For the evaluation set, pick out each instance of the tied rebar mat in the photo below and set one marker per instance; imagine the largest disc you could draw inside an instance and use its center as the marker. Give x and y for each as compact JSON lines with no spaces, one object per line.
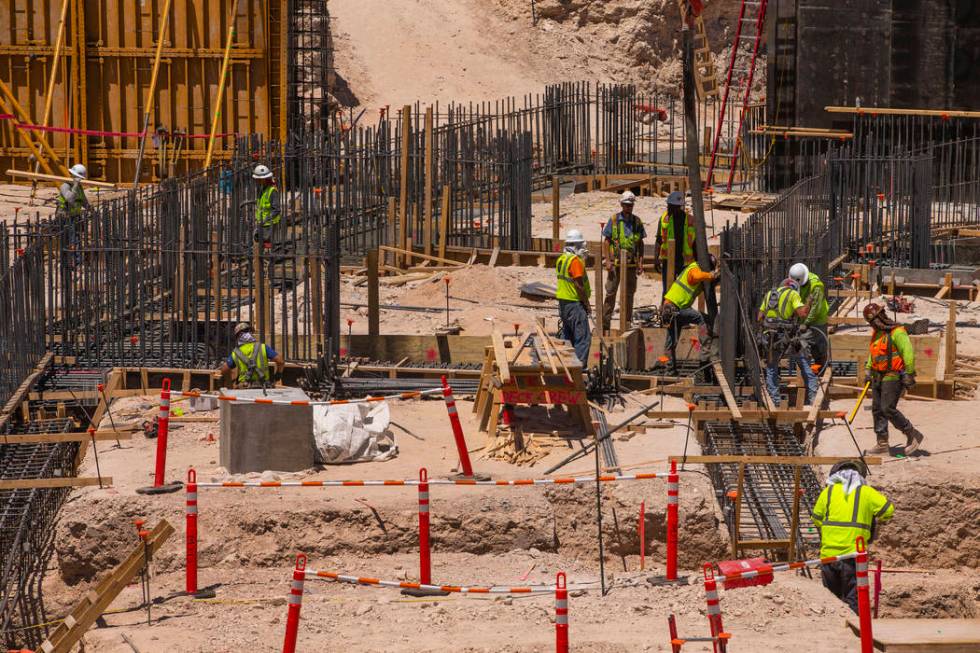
{"x":767,"y":493}
{"x":27,"y":518}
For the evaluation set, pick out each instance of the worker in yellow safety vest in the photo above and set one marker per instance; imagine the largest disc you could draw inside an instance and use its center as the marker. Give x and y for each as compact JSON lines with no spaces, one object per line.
{"x":847,"y":508}
{"x":891,"y":363}
{"x":268,"y":206}
{"x":675,"y":226}
{"x":677,"y":312}
{"x":623,"y":232}
{"x":72,"y":203}
{"x":249,"y":362}
{"x":781,"y":316}
{"x":573,"y":292}
{"x":813,"y":293}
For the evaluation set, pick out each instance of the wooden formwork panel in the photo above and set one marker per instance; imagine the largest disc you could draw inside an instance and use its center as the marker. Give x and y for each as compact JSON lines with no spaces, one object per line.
{"x":117,"y":42}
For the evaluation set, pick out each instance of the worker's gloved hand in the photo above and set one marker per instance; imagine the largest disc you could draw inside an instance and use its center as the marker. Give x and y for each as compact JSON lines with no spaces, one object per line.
{"x":908,"y":380}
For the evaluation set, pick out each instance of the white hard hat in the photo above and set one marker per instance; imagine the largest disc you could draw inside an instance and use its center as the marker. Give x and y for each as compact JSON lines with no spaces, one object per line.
{"x":799,"y":273}
{"x":78,"y":171}
{"x":627,"y":198}
{"x":574,"y":236}
{"x":261,"y":172}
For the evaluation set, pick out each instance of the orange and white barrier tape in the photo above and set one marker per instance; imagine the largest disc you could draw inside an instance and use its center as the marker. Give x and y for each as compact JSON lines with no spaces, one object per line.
{"x":570,"y":480}
{"x":458,"y":589}
{"x":414,"y":394}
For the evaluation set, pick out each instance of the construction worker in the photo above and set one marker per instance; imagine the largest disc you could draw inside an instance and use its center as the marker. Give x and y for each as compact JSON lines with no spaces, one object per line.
{"x":814,"y":297}
{"x":847,"y":508}
{"x":573,"y":295}
{"x":677,"y":311}
{"x":72,"y":202}
{"x":623,"y":232}
{"x":268,"y":207}
{"x":891,"y":363}
{"x":676,"y":227}
{"x":249,"y":361}
{"x":781,"y":316}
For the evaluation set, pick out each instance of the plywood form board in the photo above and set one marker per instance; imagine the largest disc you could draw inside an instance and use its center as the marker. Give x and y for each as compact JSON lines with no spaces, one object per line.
{"x":108,"y":93}
{"x":924,"y":635}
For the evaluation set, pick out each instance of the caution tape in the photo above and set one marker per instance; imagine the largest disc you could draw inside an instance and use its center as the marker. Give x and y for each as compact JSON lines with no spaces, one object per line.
{"x":455,"y":589}
{"x":612,"y":478}
{"x":784,"y":566}
{"x":415,"y":394}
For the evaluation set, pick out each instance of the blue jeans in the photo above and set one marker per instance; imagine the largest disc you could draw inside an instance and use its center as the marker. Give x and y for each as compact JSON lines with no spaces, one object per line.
{"x":575,"y":328}
{"x":801,"y":361}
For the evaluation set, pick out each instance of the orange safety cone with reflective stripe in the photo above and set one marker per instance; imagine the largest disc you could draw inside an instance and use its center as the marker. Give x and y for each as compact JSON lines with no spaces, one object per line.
{"x":561,"y":614}
{"x":295,"y":602}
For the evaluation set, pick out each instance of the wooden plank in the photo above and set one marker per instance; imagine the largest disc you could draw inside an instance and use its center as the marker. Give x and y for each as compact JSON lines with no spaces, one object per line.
{"x":493,"y":257}
{"x":726,"y":390}
{"x":500,"y":354}
{"x":888,"y":111}
{"x":411,"y":254}
{"x":770,"y":460}
{"x":950,"y":353}
{"x":923,"y":635}
{"x":100,"y":436}
{"x":65,"y":481}
{"x":21,"y":392}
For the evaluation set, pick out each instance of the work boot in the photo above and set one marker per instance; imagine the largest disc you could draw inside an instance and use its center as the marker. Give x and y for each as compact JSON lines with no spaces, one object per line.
{"x":880,"y":448}
{"x":913,"y":441}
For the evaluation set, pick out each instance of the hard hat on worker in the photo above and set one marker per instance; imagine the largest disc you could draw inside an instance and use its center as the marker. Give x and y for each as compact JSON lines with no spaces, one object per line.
{"x":857,"y":465}
{"x":627,"y":198}
{"x":675,"y":199}
{"x":872,"y":311}
{"x":261,"y":172}
{"x":799,"y":273}
{"x":241,"y":328}
{"x":78,"y":171}
{"x":574,"y":237}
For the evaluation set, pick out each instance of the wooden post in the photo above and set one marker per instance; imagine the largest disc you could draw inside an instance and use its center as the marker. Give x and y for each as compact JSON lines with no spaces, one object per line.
{"x":221,"y":83}
{"x":555,"y":209}
{"x":599,"y":296}
{"x":403,"y":183}
{"x":671,"y":269}
{"x":624,"y":316}
{"x":374,"y":318}
{"x":444,"y":221}
{"x":951,"y":339}
{"x":427,"y":178}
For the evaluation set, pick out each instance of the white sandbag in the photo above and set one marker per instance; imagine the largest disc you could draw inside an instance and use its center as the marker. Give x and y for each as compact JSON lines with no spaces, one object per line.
{"x":353,"y":433}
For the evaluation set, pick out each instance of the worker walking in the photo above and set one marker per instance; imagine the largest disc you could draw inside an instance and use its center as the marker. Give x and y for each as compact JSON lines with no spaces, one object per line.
{"x":268,"y":207}
{"x":677,"y":311}
{"x":676,"y":227}
{"x":249,"y":362}
{"x":891,"y":363}
{"x":847,"y":508}
{"x":623,"y":232}
{"x":781,"y":317}
{"x":813,"y":293}
{"x":573,"y":295}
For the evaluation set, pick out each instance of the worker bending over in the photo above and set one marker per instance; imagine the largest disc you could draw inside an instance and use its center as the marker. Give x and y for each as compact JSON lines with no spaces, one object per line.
{"x":623,"y":232}
{"x":891,"y":363}
{"x":781,"y":317}
{"x":268,"y":207}
{"x":676,"y":227}
{"x":677,"y":312}
{"x":847,"y":508}
{"x":573,"y":295}
{"x":249,"y":361}
{"x":814,"y":296}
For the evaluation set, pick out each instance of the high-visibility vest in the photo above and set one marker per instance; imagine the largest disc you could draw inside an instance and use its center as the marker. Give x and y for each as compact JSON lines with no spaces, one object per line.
{"x":885,"y":357}
{"x":777,"y":305}
{"x":818,"y":312}
{"x":252,"y":362}
{"x":667,"y":235}
{"x":566,"y":285}
{"x":263,"y":208}
{"x":619,"y":240}
{"x":682,"y":295}
{"x":73,"y":206}
{"x":841,"y":518}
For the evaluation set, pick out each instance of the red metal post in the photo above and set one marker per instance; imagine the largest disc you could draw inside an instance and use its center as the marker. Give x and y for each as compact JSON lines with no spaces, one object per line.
{"x":641,"y":528}
{"x":164,"y":425}
{"x":864,"y":601}
{"x":561,"y":614}
{"x":714,"y":609}
{"x":295,"y":602}
{"x":673,"y":482}
{"x":425,"y":562}
{"x":464,"y":455}
{"x":191,"y":532}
